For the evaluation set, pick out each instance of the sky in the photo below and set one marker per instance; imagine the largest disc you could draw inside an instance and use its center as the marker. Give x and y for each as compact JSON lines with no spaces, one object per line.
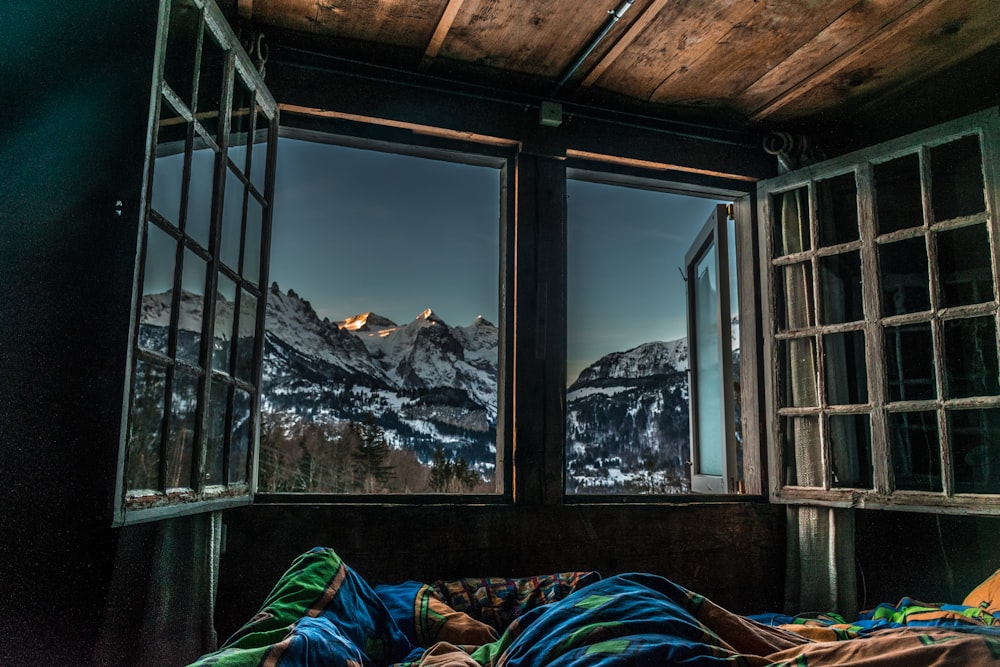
{"x":357,"y":230}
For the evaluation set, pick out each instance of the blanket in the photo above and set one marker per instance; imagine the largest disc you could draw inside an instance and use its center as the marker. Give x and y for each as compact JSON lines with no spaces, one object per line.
{"x":321,"y":612}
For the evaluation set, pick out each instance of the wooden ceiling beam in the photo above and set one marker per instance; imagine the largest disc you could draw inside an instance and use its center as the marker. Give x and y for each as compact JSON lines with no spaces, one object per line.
{"x":441,"y":31}
{"x":645,"y":18}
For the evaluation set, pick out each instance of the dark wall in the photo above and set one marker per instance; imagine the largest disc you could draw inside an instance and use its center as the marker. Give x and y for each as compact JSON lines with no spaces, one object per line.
{"x":76,"y":81}
{"x":732,"y":552}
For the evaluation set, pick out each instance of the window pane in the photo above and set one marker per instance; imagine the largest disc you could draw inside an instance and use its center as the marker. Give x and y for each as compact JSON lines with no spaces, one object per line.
{"x":909,"y":360}
{"x":213,"y":66}
{"x":898,"y":202}
{"x":903,"y":266}
{"x":797,"y":373}
{"x":240,"y":447}
{"x":239,"y":122}
{"x":851,"y":451}
{"x":180,"y":433}
{"x":357,"y":264}
{"x":975,"y":444}
{"x":145,"y":428}
{"x":803,"y":453}
{"x":970,"y":349}
{"x":838,"y":210}
{"x":258,"y":160}
{"x":628,"y":428}
{"x":966,"y":273}
{"x":840,"y":288}
{"x":957,"y":179}
{"x":794,"y":296}
{"x":215,"y":436}
{"x":846,"y":372}
{"x":791,"y":223}
{"x":157,"y":289}
{"x":915,"y":451}
{"x":192,"y":313}
{"x":232,"y":221}
{"x":168,"y":168}
{"x":247,"y":336}
{"x":199,"y":208}
{"x":182,"y":47}
{"x":222,"y":340}
{"x":708,"y":372}
{"x":252,"y":240}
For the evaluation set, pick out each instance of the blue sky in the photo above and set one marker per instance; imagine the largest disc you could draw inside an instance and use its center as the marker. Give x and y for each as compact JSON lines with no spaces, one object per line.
{"x":358,"y":231}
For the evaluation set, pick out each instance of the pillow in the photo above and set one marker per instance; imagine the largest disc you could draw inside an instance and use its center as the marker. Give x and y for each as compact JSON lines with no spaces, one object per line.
{"x":986,"y":595}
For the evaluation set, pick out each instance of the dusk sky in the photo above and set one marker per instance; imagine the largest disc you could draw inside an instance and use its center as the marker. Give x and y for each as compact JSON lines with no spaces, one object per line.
{"x":357,"y":230}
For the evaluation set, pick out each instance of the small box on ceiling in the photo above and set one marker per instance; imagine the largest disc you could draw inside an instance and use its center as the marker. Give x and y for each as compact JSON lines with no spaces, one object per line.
{"x":550,"y":114}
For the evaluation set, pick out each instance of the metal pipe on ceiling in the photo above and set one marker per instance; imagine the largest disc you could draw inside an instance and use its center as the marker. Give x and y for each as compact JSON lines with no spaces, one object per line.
{"x":613,"y":17}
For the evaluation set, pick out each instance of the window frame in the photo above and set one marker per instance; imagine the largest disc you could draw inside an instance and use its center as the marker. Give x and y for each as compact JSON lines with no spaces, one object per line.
{"x":882,"y":495}
{"x":331,"y":128}
{"x":202,"y":494}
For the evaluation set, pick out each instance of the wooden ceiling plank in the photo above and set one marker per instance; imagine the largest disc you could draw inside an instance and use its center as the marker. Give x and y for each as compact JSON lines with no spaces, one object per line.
{"x":858,"y":24}
{"x":441,"y":31}
{"x":872,"y":54}
{"x":634,"y":30}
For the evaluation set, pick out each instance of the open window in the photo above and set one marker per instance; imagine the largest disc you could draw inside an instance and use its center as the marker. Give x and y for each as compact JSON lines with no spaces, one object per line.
{"x":189,"y":443}
{"x":883,"y":387}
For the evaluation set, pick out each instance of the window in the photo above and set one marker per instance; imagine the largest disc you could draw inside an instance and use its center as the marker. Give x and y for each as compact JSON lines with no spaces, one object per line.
{"x":885,"y":389}
{"x":628,"y":427}
{"x":199,"y":307}
{"x":381,"y":354}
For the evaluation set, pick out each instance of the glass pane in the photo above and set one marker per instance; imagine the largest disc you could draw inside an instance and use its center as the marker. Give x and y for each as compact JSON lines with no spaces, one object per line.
{"x":803,"y":453}
{"x":199,"y":209}
{"x":970,"y":351}
{"x":239,"y":448}
{"x":222,"y":340}
{"x":898,"y":202}
{"x":975,"y":446}
{"x":965,"y":270}
{"x":252,"y":240}
{"x":157,"y":289}
{"x":258,"y":160}
{"x":232,"y":221}
{"x":903,"y":267}
{"x":245,"y":343}
{"x":793,"y":296}
{"x":239,"y":122}
{"x":915,"y":451}
{"x":213,"y":67}
{"x":791,"y":223}
{"x":840,"y":288}
{"x":168,"y":167}
{"x":845,"y":369}
{"x":957,"y":179}
{"x":851,"y":451}
{"x":180,"y":431}
{"x":182,"y":47}
{"x":215,"y":437}
{"x":838,"y":210}
{"x":142,"y":462}
{"x":708,"y":373}
{"x":909,"y":361}
{"x":192,"y":313}
{"x":797,"y":373}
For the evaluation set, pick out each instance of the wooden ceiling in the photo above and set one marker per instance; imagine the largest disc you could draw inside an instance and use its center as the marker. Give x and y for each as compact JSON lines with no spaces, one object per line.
{"x":742,"y":63}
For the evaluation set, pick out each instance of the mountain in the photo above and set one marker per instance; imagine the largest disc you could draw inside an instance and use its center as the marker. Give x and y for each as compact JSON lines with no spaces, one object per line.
{"x":429,"y":384}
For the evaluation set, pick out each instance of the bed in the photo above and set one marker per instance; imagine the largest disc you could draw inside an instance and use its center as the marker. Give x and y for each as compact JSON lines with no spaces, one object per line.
{"x":321,"y":612}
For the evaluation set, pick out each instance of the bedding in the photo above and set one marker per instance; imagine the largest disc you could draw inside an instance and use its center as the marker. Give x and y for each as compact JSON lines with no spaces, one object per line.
{"x":321,"y":612}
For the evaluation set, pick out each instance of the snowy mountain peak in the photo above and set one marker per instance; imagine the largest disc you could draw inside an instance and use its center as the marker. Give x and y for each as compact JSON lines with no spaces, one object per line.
{"x":428,"y":316}
{"x":365,"y":322}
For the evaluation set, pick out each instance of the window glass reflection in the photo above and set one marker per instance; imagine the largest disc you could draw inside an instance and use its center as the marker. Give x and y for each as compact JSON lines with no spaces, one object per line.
{"x":957,"y":179}
{"x":793,"y":296}
{"x":222,"y":343}
{"x":845,"y":369}
{"x":970,"y":348}
{"x":142,"y":462}
{"x":791,"y":224}
{"x":180,"y":431}
{"x":215,"y":434}
{"x":192,"y":305}
{"x":199,"y":206}
{"x":182,"y":47}
{"x":975,"y":443}
{"x":840,"y":288}
{"x":898,"y":201}
{"x":965,"y":269}
{"x":797,"y":373}
{"x":904,"y":278}
{"x":803,"y":461}
{"x":838,"y":210}
{"x":909,"y":361}
{"x":232,"y":221}
{"x":239,"y":122}
{"x":213,"y":68}
{"x":252,"y":241}
{"x":157,"y":289}
{"x":258,"y":158}
{"x":851,"y":451}
{"x":915,"y":451}
{"x":239,"y":448}
{"x":247,"y":336}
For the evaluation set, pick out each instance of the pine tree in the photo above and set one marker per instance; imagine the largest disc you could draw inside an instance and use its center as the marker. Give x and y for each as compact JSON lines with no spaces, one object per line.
{"x":441,"y":472}
{"x":371,"y":473}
